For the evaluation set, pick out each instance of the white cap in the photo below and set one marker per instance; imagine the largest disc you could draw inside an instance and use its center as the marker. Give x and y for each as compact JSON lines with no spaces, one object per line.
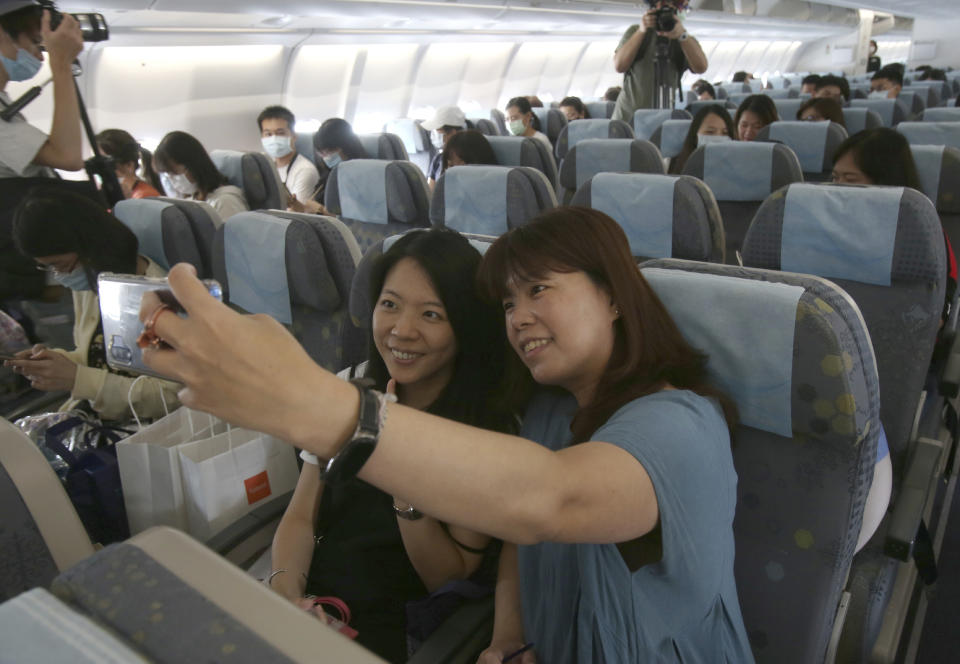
{"x":446,"y":116}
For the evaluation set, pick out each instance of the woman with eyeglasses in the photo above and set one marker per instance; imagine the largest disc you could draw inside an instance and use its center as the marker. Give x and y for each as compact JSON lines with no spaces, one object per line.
{"x":73,"y":239}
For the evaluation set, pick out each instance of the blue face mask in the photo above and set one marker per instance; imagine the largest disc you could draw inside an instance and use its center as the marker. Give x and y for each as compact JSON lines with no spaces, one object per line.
{"x":332,"y":160}
{"x":75,"y":280}
{"x":23,"y":68}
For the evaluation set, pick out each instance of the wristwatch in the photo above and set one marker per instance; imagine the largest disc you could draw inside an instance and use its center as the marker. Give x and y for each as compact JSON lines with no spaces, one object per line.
{"x":684,"y":36}
{"x":410,"y":513}
{"x":346,"y":463}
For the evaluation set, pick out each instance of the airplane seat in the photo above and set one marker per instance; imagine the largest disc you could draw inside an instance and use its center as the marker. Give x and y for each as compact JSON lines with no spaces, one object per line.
{"x":524,"y":151}
{"x":648,"y":120}
{"x":377,"y":198}
{"x":171,"y":231}
{"x":814,"y":143}
{"x":929,"y":91}
{"x":486,"y":127}
{"x":787,"y":108}
{"x":40,"y":531}
{"x":778,"y":82}
{"x":735,"y":98}
{"x":721,"y":93}
{"x":499,"y":119}
{"x":296,"y":269}
{"x":859,"y":91}
{"x":741,"y":175}
{"x":938,"y":168}
{"x":669,"y":137}
{"x":664,"y":216}
{"x":931,"y":133}
{"x":942,"y":114}
{"x":255,"y":174}
{"x":600,"y":110}
{"x":173,"y":600}
{"x":857,"y":119}
{"x":891,"y":111}
{"x":913,"y":102}
{"x":695,"y":107}
{"x":579,"y":130}
{"x":303,"y":143}
{"x":384,"y":146}
{"x":884,"y":246}
{"x":606,"y":155}
{"x":782,"y":93}
{"x":805,"y":444}
{"x":490,"y":200}
{"x":552,"y":121}
{"x":416,"y":141}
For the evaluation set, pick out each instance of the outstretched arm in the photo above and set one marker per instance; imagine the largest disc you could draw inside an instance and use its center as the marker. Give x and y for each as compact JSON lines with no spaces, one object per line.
{"x":63,"y":148}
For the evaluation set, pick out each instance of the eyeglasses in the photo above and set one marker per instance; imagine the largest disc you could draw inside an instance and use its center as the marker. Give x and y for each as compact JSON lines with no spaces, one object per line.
{"x":55,"y":269}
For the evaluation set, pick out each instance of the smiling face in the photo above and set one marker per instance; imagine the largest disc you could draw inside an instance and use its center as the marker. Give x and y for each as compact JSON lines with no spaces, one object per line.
{"x":561,"y":326}
{"x":749,"y":126}
{"x":413,"y":334}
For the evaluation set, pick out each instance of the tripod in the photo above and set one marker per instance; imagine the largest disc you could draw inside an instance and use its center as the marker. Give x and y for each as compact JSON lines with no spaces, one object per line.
{"x":664,"y":88}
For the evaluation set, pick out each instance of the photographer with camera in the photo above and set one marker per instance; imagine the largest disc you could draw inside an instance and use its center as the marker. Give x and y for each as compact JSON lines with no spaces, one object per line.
{"x":664,"y":42}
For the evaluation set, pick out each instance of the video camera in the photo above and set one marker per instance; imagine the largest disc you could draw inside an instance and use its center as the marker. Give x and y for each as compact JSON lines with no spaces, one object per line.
{"x":93,"y":27}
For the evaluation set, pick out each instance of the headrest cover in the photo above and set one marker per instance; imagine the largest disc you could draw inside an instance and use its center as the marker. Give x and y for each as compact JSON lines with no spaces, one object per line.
{"x":254,"y":247}
{"x":672,"y":135}
{"x":646,"y":121}
{"x":144,"y":217}
{"x":230,"y":163}
{"x":787,"y":108}
{"x":475,"y":199}
{"x":840,"y":232}
{"x":752,"y":363}
{"x":362,"y":185}
{"x":931,"y":133}
{"x":807,"y":139}
{"x":738,"y":171}
{"x":507,"y":149}
{"x":580,"y":130}
{"x":643,"y":206}
{"x":929,"y":160}
{"x":882,"y":107}
{"x":942,"y":114}
{"x":602,"y":155}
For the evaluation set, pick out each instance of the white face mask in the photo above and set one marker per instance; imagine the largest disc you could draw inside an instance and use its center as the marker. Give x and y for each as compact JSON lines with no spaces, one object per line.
{"x":703,"y":139}
{"x":277,"y":147}
{"x":436,"y":139}
{"x":182,"y":185}
{"x":877,"y":94}
{"x":517,"y":127}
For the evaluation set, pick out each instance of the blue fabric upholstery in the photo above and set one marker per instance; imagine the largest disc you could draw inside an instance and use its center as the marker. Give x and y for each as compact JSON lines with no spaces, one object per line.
{"x":942,"y":114}
{"x":931,"y":133}
{"x":230,"y":164}
{"x":763,"y":395}
{"x":475,"y":200}
{"x":807,"y":139}
{"x":610,"y":155}
{"x":507,"y":149}
{"x":647,"y":120}
{"x":580,"y":130}
{"x":738,"y":171}
{"x":644,"y":212}
{"x":889,"y":110}
{"x":787,"y":108}
{"x":144,"y":218}
{"x":929,"y":159}
{"x":824,"y":227}
{"x":857,"y":119}
{"x":672,"y":135}
{"x":362,"y":186}
{"x":254,"y":254}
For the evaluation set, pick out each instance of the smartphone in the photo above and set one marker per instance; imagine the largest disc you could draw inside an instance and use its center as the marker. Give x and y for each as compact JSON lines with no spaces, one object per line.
{"x":120,"y":296}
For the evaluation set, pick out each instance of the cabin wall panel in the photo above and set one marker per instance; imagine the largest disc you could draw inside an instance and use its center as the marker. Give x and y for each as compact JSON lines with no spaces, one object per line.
{"x":944,"y":34}
{"x":384,"y":87}
{"x":318,"y":82}
{"x":483,"y":77}
{"x":439,"y":78}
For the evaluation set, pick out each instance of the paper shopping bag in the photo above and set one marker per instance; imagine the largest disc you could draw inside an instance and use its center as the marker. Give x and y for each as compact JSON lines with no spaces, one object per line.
{"x":150,"y":468}
{"x":228,"y":475}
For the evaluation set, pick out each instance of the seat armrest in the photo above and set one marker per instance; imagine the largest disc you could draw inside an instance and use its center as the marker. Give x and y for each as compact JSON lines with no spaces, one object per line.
{"x":461,"y":636}
{"x":912,"y":498}
{"x":950,"y":377}
{"x":233,"y":536}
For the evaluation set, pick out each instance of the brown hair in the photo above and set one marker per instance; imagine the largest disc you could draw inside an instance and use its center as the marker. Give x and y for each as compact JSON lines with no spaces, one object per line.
{"x":649,"y":351}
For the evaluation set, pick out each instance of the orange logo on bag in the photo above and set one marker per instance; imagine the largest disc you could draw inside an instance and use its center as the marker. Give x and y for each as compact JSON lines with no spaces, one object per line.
{"x":258,"y":487}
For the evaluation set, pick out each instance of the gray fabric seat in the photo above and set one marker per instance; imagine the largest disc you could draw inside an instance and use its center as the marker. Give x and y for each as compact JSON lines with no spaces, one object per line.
{"x":599,"y":110}
{"x":782,"y":93}
{"x":647,"y":120}
{"x":415,"y":139}
{"x":695,"y":107}
{"x":384,"y":146}
{"x":803,"y":471}
{"x":913,"y":102}
{"x":891,"y":111}
{"x":664,"y":216}
{"x":669,"y":137}
{"x":256,"y":176}
{"x":884,"y":246}
{"x":938,"y":168}
{"x":486,"y":127}
{"x":172,"y":231}
{"x":552,"y":122}
{"x":945,"y":114}
{"x":377,"y":198}
{"x":931,"y":133}
{"x":524,"y":151}
{"x":606,"y":155}
{"x":295,"y":268}
{"x":814,"y":143}
{"x":787,"y":108}
{"x":933,"y":90}
{"x":40,"y":532}
{"x":579,"y":130}
{"x":490,"y":200}
{"x":857,"y":119}
{"x":741,"y":175}
{"x":499,"y":119}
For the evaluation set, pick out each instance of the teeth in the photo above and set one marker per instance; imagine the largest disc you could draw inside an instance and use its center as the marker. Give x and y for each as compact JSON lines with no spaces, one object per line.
{"x":536,"y":343}
{"x":400,"y":355}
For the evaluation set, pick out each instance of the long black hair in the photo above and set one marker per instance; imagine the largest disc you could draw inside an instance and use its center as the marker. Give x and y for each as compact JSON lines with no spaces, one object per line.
{"x":179,"y":147}
{"x":691,"y":142}
{"x":471,"y":146}
{"x":523,"y":105}
{"x":760,"y":105}
{"x":883,"y":155}
{"x":473,"y":395}
{"x":50,"y":221}
{"x":336,"y":133}
{"x":124,"y":149}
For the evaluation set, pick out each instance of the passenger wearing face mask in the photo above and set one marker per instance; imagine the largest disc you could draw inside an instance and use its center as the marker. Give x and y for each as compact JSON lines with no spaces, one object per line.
{"x":25,"y":151}
{"x":192,"y":174}
{"x":522,"y":122}
{"x":712,"y":124}
{"x":448,"y":121}
{"x":297,"y":173}
{"x":886,"y":83}
{"x":333,"y":143}
{"x":73,"y":239}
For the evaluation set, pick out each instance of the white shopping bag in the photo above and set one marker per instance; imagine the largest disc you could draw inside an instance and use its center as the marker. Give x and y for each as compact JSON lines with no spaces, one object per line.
{"x":228,"y":475}
{"x":150,"y":468}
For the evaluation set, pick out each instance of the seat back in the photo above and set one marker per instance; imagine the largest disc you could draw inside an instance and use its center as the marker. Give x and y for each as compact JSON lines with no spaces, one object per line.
{"x":606,"y":155}
{"x":377,"y":198}
{"x":415,"y":139}
{"x":929,"y":91}
{"x":882,"y":245}
{"x":255,"y":174}
{"x":931,"y":133}
{"x":647,"y":120}
{"x":524,"y":151}
{"x":499,"y":119}
{"x":782,"y":93}
{"x":384,"y":146}
{"x":601,"y":109}
{"x":304,"y":146}
{"x":814,"y":143}
{"x":490,"y":200}
{"x":664,"y":216}
{"x":40,"y":532}
{"x":695,"y":107}
{"x":857,"y":119}
{"x":913,"y":101}
{"x":579,"y":130}
{"x":891,"y":111}
{"x":741,"y":175}
{"x":295,"y":268}
{"x":938,"y":168}
{"x":942,"y":114}
{"x":485,"y":127}
{"x":787,"y":108}
{"x":171,"y":231}
{"x":552,"y":122}
{"x":669,"y":137}
{"x":805,"y":445}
